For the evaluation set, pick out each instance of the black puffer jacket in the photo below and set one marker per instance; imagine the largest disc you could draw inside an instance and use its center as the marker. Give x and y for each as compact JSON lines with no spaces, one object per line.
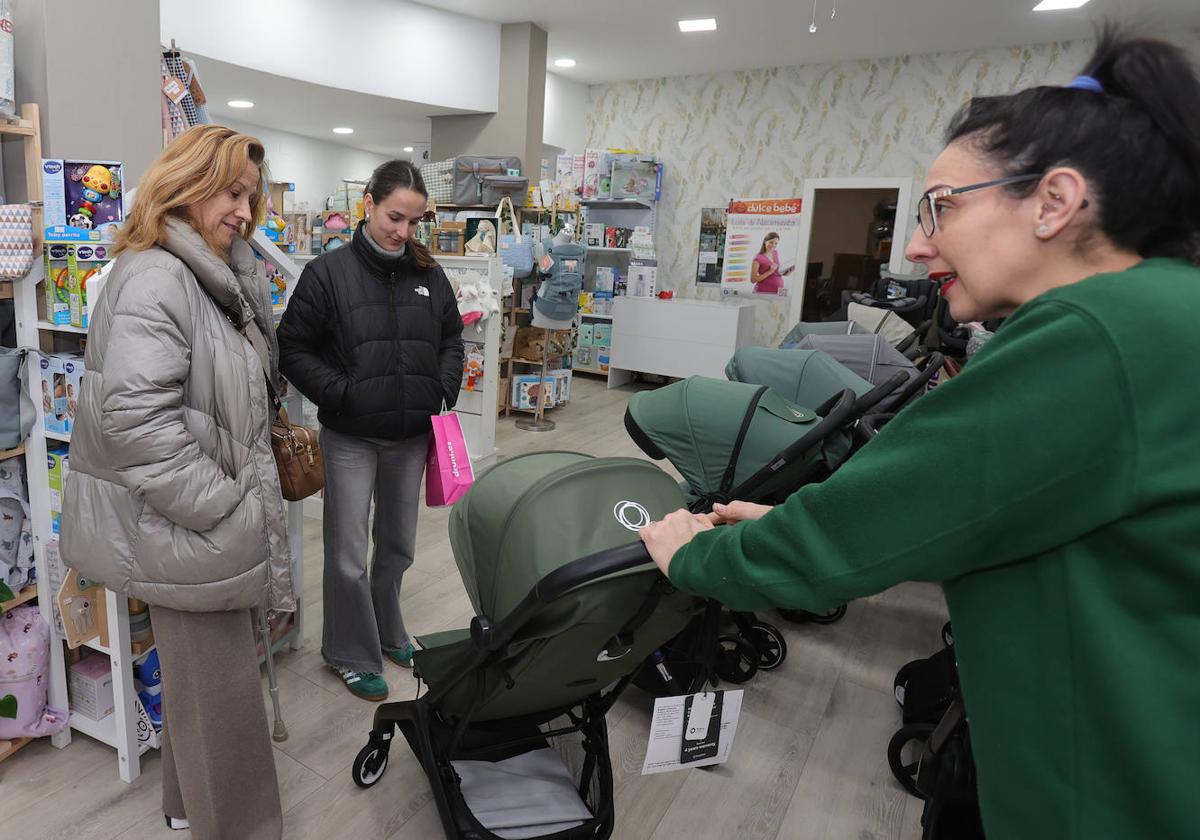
{"x":376,"y":343}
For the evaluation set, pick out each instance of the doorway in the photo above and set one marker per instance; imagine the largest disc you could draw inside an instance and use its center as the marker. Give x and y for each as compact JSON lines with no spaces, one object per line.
{"x":851,"y":228}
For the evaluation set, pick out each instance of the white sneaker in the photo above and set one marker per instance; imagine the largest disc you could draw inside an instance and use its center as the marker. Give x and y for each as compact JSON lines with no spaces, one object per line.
{"x":176,"y":823}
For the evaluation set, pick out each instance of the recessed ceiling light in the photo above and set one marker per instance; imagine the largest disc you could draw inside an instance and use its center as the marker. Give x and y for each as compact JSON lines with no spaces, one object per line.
{"x":564,"y":62}
{"x":1058,"y":5}
{"x":701,"y":25}
{"x":408,"y":148}
{"x":240,"y":103}
{"x":341,"y":129}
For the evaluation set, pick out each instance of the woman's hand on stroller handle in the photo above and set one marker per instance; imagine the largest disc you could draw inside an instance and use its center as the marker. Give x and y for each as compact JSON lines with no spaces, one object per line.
{"x":672,"y":533}
{"x":736,"y":512}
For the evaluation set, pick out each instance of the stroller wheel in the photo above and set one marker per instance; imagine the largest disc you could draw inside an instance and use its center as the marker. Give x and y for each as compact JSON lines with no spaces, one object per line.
{"x":832,"y":617}
{"x":904,"y":754}
{"x":900,"y":684}
{"x":369,"y":764}
{"x":737,"y":660}
{"x":772,"y":649}
{"x":948,"y":634}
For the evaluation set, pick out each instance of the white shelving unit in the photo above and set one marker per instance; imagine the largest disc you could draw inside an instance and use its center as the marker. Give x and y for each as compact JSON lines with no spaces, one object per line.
{"x":477,"y":409}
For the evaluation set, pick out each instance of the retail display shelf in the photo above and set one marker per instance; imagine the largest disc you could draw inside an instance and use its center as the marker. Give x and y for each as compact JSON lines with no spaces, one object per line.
{"x":601,"y":250}
{"x":62,"y":328}
{"x":11,"y":453}
{"x":59,"y":436}
{"x":619,"y":204}
{"x":596,"y":315}
{"x":27,"y":594}
{"x":103,"y":730}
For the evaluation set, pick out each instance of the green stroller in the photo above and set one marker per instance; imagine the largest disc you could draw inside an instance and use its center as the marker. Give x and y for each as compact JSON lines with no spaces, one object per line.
{"x":735,"y":440}
{"x":511,"y":732}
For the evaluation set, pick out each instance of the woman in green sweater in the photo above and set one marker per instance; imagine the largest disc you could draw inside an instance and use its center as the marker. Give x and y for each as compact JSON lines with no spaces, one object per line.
{"x":1070,"y":550}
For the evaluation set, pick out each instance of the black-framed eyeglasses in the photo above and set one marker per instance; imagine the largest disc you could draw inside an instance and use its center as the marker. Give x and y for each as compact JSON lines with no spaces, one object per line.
{"x":927,"y":216}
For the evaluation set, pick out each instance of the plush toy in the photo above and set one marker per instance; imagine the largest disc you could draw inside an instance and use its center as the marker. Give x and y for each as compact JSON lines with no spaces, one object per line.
{"x":98,"y":182}
{"x":473,"y":369}
{"x":335,"y":223}
{"x":275,"y":222}
{"x":148,"y":675}
{"x":476,"y":299}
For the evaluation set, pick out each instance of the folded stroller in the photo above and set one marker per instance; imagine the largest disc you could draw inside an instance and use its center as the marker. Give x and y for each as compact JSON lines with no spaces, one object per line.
{"x":805,"y":377}
{"x":877,"y":361}
{"x":511,"y":732}
{"x":733,"y":440}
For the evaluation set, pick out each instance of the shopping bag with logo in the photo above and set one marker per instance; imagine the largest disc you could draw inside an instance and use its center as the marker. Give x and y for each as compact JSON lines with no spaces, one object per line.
{"x":448,"y":473}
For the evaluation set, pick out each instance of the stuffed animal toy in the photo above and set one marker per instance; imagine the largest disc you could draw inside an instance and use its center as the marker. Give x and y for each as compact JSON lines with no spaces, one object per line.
{"x":477,"y":300}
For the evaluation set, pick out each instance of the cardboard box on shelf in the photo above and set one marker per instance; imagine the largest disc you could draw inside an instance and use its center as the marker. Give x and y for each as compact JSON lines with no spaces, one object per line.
{"x":91,"y":686}
{"x":55,"y":286}
{"x":73,"y":371}
{"x":54,"y":393}
{"x":81,"y":200}
{"x":58,"y":463}
{"x":84,"y":259}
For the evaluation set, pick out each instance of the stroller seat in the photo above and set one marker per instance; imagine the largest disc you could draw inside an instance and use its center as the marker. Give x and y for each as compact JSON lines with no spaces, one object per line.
{"x":567,"y":606}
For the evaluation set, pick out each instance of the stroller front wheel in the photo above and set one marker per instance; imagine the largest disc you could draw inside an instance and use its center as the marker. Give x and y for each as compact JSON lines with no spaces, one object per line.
{"x":369,"y":765}
{"x":772,"y":649}
{"x":737,"y":659}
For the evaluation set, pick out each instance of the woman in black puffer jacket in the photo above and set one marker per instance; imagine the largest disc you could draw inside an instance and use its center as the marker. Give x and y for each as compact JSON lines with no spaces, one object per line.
{"x":372,"y":335}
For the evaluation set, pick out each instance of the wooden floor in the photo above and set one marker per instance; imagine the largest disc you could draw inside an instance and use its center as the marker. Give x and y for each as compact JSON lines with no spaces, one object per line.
{"x":808,"y":761}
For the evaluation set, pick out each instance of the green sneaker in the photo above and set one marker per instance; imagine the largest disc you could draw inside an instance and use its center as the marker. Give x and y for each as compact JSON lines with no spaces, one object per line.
{"x":403,"y":656}
{"x":362,"y":684}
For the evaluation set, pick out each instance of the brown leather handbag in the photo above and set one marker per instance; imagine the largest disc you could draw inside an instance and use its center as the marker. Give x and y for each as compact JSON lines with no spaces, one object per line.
{"x":298,"y":457}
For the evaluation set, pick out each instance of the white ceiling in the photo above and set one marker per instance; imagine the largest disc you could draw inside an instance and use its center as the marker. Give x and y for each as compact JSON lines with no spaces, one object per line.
{"x":636,"y":39}
{"x":381,"y":124}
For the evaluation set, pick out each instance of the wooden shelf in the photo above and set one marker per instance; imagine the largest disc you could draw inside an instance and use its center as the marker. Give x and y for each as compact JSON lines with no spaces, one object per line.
{"x":9,"y":453}
{"x":602,"y":250}
{"x":27,"y":594}
{"x":59,"y":436}
{"x":595,"y":315}
{"x":619,"y":204}
{"x":21,"y":128}
{"x":7,"y":748}
{"x":62,"y":328}
{"x":549,"y":359}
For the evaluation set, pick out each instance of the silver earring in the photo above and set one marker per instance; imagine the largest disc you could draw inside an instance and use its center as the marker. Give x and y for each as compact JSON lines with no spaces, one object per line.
{"x":1043,"y":230}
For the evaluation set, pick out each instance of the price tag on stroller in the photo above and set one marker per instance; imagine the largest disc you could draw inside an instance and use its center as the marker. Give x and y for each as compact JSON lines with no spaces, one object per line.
{"x":702,"y":726}
{"x":693,"y":730}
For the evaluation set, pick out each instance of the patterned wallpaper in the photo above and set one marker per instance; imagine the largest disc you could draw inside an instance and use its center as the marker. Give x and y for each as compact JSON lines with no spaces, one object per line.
{"x":760,"y":133}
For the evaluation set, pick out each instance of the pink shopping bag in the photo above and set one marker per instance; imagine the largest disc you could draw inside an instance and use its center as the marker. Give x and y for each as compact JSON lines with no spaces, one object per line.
{"x":449,"y":474}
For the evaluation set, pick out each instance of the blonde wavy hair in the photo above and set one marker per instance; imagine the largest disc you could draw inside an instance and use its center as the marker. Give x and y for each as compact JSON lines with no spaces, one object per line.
{"x":197,"y":165}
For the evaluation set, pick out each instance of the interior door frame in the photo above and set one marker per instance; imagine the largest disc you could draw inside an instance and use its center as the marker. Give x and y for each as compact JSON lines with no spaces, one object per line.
{"x":897,"y":263}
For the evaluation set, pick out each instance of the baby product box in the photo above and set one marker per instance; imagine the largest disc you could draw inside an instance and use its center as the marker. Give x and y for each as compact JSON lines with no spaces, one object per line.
{"x":91,"y":686}
{"x":54,"y":394}
{"x":58,"y":302}
{"x":58,"y":463}
{"x":82,"y":199}
{"x":585,"y":334}
{"x":525,"y":390}
{"x":636,"y":178}
{"x":578,"y":168}
{"x":643,"y":280}
{"x":73,"y":370}
{"x":561,"y":378}
{"x":602,"y":335}
{"x":84,"y":260}
{"x":594,"y":234}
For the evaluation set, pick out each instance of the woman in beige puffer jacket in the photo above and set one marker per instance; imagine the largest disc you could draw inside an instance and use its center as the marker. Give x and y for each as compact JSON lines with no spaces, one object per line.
{"x":173,"y":495}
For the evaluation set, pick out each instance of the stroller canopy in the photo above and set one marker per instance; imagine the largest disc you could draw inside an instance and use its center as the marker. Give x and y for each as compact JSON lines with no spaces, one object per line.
{"x":821,"y":328}
{"x":717,"y":434}
{"x":806,"y":377}
{"x":870,"y":356}
{"x":530,"y":515}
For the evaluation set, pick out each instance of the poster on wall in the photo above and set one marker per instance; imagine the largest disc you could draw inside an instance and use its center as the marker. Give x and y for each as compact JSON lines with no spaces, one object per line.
{"x":711,"y":258}
{"x":762,"y":238}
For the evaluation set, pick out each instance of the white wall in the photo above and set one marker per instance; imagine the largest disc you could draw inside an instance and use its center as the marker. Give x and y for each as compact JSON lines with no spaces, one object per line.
{"x":315,"y":167}
{"x":565,"y":121}
{"x":385,"y":47}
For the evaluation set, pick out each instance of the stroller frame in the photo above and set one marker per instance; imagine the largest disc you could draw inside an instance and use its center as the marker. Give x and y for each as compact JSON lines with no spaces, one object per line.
{"x":437,"y":740}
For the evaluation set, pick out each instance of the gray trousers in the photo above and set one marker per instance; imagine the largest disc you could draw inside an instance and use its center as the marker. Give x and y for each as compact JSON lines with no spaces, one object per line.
{"x":362,"y":610}
{"x":218,"y":766}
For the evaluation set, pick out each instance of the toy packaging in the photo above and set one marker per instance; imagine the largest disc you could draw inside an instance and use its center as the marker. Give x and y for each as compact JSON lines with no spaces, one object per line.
{"x":58,"y":302}
{"x":525,"y":390}
{"x":73,"y":371}
{"x":82,"y":200}
{"x":84,"y":260}
{"x":58,"y":462}
{"x":634,"y":177}
{"x":585,"y":356}
{"x":578,"y":170}
{"x":277,"y":283}
{"x":561,"y":377}
{"x":585,"y":335}
{"x":91,"y":686}
{"x":594,"y":235}
{"x":602,"y":335}
{"x":54,"y":394}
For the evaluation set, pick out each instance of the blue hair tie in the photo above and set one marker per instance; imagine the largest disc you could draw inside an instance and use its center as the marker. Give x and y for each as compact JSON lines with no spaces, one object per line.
{"x":1086,"y":83}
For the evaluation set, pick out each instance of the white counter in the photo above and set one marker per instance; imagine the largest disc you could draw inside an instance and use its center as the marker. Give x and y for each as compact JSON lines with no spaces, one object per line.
{"x":676,"y":337}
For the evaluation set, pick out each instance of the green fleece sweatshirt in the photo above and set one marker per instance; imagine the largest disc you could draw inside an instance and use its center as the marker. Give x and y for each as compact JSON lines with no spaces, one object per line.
{"x":1054,"y":489}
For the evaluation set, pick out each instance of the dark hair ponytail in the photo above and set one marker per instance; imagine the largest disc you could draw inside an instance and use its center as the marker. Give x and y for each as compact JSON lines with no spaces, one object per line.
{"x":401,"y":175}
{"x":1137,"y":142}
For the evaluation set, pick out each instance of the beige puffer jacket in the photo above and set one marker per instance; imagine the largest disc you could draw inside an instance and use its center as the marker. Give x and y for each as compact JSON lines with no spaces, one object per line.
{"x":173,"y":494}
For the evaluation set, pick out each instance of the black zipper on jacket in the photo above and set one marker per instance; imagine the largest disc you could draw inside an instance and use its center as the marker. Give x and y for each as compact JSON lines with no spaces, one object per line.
{"x":396,"y":341}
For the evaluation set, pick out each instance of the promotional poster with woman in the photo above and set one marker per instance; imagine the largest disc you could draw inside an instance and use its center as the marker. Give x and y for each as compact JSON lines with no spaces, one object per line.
{"x":761,"y":242}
